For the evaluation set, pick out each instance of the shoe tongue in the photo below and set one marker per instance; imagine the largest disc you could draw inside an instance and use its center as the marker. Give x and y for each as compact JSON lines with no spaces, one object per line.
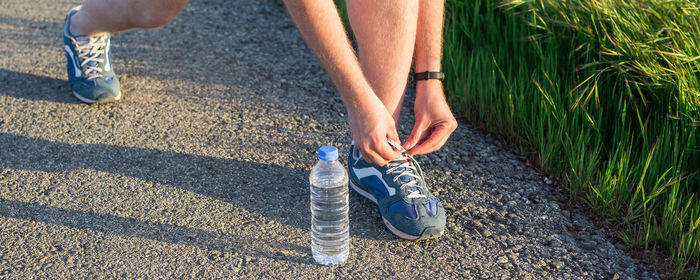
{"x":404,"y":178}
{"x":82,"y":39}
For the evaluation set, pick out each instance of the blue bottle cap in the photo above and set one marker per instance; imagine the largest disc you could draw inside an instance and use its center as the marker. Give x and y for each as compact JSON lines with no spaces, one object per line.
{"x":328,"y":153}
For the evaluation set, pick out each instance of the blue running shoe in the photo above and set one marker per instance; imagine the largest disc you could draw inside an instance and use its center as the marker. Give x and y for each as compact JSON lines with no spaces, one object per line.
{"x":89,"y":68}
{"x":408,"y":208}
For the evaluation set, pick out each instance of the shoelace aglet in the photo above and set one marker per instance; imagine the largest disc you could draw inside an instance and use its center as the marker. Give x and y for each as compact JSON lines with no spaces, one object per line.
{"x":396,"y":146}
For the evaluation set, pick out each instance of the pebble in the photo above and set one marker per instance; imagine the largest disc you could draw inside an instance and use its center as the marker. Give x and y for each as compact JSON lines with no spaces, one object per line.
{"x":499,"y":218}
{"x":503,"y":273}
{"x":554,"y":205}
{"x":566,"y":214}
{"x":555,"y":243}
{"x":589,"y":245}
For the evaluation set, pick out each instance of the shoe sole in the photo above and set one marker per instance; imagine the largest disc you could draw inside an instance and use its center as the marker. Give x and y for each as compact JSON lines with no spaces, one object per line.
{"x":428,"y":233}
{"x":99,"y":101}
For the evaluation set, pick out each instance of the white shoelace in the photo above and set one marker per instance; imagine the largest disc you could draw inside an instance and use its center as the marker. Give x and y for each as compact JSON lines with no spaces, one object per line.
{"x":410,"y":168}
{"x":89,"y":52}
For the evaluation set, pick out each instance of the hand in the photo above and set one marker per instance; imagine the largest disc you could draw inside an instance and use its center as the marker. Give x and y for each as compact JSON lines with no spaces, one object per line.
{"x":370,"y":126}
{"x":434,"y":120}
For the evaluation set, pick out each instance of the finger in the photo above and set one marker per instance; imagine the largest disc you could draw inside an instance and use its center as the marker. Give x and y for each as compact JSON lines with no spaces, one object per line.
{"x":372,"y":157}
{"x":386,"y":152}
{"x":392,"y":134}
{"x":414,"y":137}
{"x":437,"y":138}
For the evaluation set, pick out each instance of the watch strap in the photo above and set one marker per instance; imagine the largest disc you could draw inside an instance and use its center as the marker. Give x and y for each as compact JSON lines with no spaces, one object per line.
{"x":428,"y":75}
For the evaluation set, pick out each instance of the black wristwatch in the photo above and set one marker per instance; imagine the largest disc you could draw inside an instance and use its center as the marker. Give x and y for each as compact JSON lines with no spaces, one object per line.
{"x":428,"y":75}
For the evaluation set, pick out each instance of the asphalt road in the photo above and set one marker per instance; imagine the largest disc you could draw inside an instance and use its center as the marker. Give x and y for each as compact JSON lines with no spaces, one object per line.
{"x":201,"y":170}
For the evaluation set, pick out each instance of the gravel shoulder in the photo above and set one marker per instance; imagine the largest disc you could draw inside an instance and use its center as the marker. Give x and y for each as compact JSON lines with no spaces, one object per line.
{"x":201,"y":170}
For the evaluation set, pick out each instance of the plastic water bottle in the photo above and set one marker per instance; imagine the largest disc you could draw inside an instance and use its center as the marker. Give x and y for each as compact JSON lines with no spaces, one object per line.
{"x":330,"y":235}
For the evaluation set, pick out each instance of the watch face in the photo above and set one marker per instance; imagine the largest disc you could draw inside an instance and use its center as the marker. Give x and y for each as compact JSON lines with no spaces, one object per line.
{"x":429,"y":75}
{"x":440,"y":76}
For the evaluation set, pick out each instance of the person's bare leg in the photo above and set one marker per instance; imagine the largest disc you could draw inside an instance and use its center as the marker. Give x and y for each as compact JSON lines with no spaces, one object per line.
{"x":385,"y":32}
{"x":434,"y":120}
{"x":97,"y":17}
{"x":428,"y":50}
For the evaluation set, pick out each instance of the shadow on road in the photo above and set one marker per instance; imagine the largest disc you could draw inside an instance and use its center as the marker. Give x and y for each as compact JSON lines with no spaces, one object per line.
{"x":261,"y":188}
{"x":173,"y":234}
{"x":34,"y":87}
{"x":275,"y":192}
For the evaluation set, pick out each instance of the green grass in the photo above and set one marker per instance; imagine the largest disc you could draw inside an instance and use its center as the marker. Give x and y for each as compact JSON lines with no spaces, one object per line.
{"x":603,"y":94}
{"x":342,"y":10}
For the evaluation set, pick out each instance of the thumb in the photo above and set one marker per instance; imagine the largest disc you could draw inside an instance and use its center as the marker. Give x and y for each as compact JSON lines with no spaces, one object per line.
{"x":392,"y":134}
{"x":412,"y":140}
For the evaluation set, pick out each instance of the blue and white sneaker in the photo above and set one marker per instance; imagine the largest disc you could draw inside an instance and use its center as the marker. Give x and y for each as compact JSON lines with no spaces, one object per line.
{"x":407,"y":207}
{"x":89,"y":67}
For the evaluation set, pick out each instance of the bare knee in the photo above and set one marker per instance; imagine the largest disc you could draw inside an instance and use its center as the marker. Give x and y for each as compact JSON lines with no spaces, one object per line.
{"x":154,"y":14}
